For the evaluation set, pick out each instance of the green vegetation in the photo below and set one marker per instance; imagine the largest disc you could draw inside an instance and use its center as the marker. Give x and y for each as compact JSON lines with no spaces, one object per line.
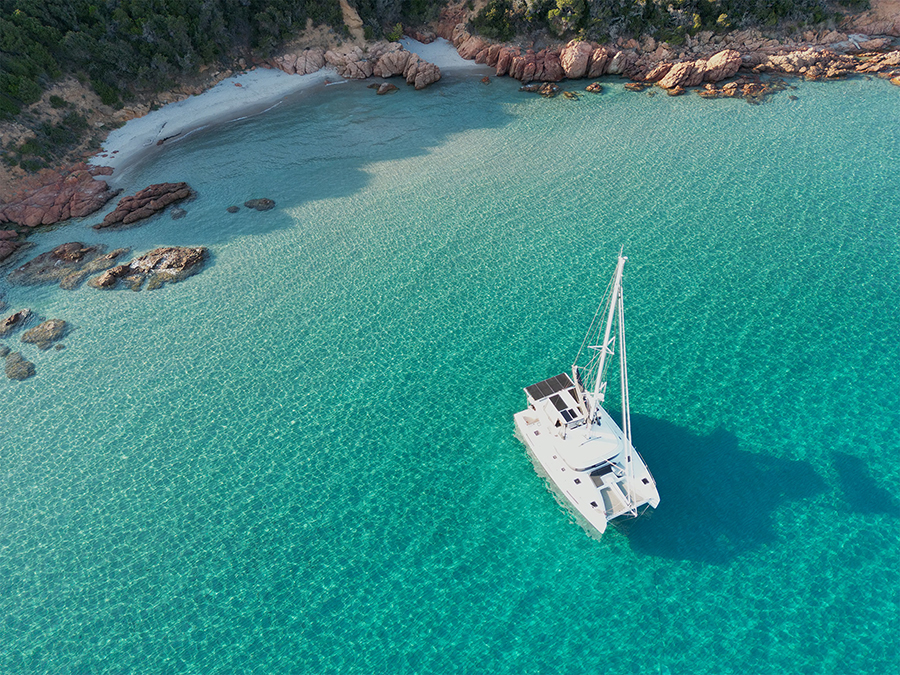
{"x":669,"y":20}
{"x":120,"y":44}
{"x":50,"y":143}
{"x":494,"y":20}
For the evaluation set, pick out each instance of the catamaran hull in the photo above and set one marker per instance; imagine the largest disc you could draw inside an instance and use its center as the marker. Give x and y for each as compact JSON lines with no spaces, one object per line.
{"x":592,"y":506}
{"x":593,"y":529}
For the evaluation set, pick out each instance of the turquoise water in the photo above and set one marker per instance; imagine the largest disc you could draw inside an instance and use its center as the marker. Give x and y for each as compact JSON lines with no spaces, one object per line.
{"x":302,"y":459}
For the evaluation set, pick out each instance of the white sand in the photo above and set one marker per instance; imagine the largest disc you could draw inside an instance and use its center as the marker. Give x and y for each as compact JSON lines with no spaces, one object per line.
{"x":259,"y":90}
{"x":441,"y":53}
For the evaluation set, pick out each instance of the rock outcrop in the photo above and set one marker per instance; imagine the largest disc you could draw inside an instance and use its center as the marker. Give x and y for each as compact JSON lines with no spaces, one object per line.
{"x":14,"y":321}
{"x":67,"y":264}
{"x":302,"y":63}
{"x":54,"y":196}
{"x":46,"y":333}
{"x":704,"y":58}
{"x":381,"y":59}
{"x":8,"y":245}
{"x":148,"y":202}
{"x":397,"y":61}
{"x":160,"y":266}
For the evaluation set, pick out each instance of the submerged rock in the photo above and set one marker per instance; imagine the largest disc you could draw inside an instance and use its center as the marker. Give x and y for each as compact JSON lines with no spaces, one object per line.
{"x":260,"y":204}
{"x":45,"y":334}
{"x":67,"y":264}
{"x":18,"y":367}
{"x":233,"y":209}
{"x":160,"y":266}
{"x":148,"y":202}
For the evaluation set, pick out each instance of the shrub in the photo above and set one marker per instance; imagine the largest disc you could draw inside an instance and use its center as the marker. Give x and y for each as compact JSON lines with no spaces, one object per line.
{"x":493,"y":21}
{"x":395,"y":33}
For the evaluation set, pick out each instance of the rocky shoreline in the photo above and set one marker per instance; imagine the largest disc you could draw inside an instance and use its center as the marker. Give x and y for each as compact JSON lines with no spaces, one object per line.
{"x":751,"y":63}
{"x":701,"y":62}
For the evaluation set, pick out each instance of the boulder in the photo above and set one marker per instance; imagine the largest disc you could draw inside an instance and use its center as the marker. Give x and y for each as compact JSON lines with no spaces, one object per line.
{"x":390,"y":64}
{"x":385,"y":88}
{"x":505,"y":59}
{"x":470,"y":47}
{"x":14,"y":321}
{"x":148,"y":202}
{"x":552,"y":67}
{"x":677,"y":76}
{"x":18,"y":367}
{"x":575,"y":58}
{"x":657,"y":73}
{"x":597,"y":66}
{"x":45,"y":334}
{"x":698,"y":74}
{"x":722,"y":65}
{"x":7,"y":248}
{"x":621,"y":62}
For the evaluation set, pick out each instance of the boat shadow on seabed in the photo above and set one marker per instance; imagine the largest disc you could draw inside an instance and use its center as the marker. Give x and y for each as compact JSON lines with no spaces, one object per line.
{"x":716,"y":501}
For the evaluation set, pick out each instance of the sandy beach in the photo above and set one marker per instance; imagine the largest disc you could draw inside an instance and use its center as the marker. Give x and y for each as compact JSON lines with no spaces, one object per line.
{"x":235,"y":97}
{"x":241,"y":95}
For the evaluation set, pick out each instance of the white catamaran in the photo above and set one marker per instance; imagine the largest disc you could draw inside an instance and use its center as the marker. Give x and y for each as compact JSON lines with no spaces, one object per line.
{"x":574,"y":442}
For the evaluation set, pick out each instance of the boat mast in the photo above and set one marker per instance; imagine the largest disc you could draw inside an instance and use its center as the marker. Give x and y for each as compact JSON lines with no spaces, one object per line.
{"x":599,"y":393}
{"x":626,"y":408}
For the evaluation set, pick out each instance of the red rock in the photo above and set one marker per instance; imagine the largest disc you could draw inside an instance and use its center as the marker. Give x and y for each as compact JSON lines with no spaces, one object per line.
{"x":14,"y":321}
{"x":677,"y":76}
{"x":599,"y":59}
{"x":145,"y":203}
{"x":505,"y":60}
{"x":471,"y":47}
{"x":575,"y":59}
{"x":51,"y":200}
{"x":553,"y":70}
{"x":698,"y":74}
{"x":722,"y":65}
{"x":7,"y":248}
{"x":493,"y":55}
{"x":658,"y":72}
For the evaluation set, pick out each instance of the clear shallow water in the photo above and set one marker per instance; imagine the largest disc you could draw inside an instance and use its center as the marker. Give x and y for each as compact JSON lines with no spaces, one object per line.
{"x":302,"y":459}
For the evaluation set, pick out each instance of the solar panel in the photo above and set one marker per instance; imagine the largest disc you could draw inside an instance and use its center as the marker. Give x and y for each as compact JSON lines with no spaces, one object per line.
{"x":549,"y":386}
